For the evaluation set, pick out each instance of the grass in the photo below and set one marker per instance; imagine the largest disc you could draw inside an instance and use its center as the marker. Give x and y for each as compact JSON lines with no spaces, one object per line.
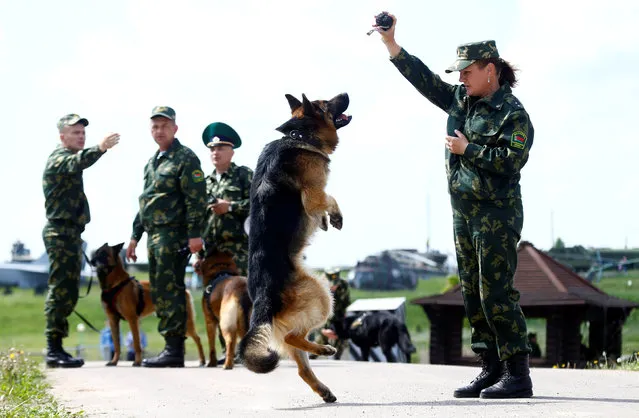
{"x":22,"y":316}
{"x":23,"y":390}
{"x":625,"y":286}
{"x":22,"y":319}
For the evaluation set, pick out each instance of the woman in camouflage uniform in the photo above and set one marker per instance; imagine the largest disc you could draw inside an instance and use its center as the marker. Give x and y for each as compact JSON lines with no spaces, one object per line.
{"x":489,"y":135}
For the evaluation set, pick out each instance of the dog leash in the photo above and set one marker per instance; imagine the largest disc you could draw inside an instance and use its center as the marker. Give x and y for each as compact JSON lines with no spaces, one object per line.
{"x":86,"y":321}
{"x":90,"y":277}
{"x":186,"y":251}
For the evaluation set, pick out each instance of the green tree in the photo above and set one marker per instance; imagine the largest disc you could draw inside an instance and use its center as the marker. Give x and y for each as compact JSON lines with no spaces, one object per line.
{"x":559,"y":244}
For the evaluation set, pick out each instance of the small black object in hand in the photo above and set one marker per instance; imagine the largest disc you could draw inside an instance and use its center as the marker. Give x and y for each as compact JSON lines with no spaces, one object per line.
{"x":212,"y":200}
{"x":384,"y":21}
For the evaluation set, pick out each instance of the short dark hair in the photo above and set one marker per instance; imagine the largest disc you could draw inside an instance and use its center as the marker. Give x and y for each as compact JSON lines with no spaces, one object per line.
{"x":505,"y":70}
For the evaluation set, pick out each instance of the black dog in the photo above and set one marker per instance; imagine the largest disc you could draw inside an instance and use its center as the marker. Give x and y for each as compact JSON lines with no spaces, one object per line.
{"x":382,"y":329}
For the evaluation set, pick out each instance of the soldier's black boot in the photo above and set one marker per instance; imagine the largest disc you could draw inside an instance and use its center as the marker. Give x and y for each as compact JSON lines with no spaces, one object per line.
{"x":491,"y":371}
{"x":515,"y":382}
{"x":171,"y":356}
{"x":57,"y":357}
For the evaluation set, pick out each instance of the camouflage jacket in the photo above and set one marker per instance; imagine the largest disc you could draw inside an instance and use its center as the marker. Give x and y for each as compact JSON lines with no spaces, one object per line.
{"x":341,"y":297}
{"x":498,"y":129}
{"x":226,"y":231}
{"x":174,"y":193}
{"x":63,"y":186}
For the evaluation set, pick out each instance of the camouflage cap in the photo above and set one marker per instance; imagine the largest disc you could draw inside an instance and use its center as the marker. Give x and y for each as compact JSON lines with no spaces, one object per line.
{"x":70,"y":120}
{"x":164,"y":111}
{"x":219,"y":133}
{"x":469,"y":53}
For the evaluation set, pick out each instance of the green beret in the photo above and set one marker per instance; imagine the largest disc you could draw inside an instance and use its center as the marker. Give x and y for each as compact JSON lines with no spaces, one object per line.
{"x":469,"y":53}
{"x":219,"y":133}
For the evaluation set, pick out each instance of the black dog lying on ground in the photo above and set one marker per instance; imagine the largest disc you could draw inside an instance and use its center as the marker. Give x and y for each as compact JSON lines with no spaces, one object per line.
{"x":382,"y":329}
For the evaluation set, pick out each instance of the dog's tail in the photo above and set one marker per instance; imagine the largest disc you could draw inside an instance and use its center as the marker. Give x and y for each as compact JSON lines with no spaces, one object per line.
{"x":405,"y":342}
{"x":255,"y":350}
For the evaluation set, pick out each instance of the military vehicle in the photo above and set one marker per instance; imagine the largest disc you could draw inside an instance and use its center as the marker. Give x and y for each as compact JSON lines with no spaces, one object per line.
{"x":397,"y":269}
{"x":25,"y":272}
{"x":591,"y":263}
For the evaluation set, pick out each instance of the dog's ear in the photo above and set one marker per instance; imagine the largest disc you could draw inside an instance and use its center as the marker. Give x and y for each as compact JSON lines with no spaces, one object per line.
{"x":118,"y":248}
{"x":291,"y":125}
{"x":308,"y":106}
{"x":293,"y":102}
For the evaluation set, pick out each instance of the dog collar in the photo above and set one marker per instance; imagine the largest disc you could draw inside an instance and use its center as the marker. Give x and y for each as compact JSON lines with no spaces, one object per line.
{"x":299,"y":143}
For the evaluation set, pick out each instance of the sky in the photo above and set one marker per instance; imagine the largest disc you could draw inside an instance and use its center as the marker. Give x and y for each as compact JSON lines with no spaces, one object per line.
{"x":112,"y":62}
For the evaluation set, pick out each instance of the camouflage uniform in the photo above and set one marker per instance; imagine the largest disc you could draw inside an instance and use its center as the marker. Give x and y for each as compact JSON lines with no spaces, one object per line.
{"x":341,"y":301}
{"x":226,"y":231}
{"x":485,"y":196}
{"x":172,"y":208}
{"x":67,"y":211}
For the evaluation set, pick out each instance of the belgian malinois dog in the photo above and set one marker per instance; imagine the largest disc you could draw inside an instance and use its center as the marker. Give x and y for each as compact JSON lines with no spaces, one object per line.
{"x":123,"y":297}
{"x":288,"y":204}
{"x":225,"y":302}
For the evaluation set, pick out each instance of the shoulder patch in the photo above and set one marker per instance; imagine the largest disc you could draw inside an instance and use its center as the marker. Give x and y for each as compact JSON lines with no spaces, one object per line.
{"x":197,"y":176}
{"x":518,"y":140}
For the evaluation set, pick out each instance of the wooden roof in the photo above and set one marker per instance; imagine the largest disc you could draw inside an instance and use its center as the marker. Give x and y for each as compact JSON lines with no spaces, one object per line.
{"x":542,"y":281}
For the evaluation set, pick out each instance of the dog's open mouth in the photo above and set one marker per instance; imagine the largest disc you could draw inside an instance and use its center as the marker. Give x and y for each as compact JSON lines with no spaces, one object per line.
{"x":342,"y":120}
{"x":340,"y":104}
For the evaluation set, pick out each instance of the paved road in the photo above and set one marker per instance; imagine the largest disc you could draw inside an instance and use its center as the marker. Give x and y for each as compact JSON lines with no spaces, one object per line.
{"x":362,"y":390}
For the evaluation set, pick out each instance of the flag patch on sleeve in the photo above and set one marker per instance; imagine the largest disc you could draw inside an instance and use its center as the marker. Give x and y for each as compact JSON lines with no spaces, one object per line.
{"x":518,"y":140}
{"x":198,"y":176}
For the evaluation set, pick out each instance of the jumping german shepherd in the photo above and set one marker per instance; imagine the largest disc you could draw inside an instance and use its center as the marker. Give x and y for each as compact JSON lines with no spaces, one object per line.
{"x":225,"y":302}
{"x":123,"y":297}
{"x":288,"y":204}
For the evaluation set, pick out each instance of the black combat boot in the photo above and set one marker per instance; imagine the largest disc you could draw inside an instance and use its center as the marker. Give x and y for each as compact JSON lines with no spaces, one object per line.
{"x":491,"y":371}
{"x":57,"y":357}
{"x":514,"y":383}
{"x":171,"y":356}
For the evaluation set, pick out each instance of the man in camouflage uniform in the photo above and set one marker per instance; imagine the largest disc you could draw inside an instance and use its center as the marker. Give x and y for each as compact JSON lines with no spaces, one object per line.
{"x":333,"y":332}
{"x":67,"y":211}
{"x":489,"y":135}
{"x":172,"y":208}
{"x":227,"y":188}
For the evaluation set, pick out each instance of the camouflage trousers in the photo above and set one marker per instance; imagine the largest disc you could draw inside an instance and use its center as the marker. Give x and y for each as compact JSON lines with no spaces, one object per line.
{"x":241,"y":261}
{"x":240,"y":255}
{"x":64,"y":249}
{"x":167,"y":266}
{"x":486,"y":237}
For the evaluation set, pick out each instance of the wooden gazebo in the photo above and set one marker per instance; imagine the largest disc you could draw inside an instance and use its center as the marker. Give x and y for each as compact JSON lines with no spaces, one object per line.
{"x":548,"y":290}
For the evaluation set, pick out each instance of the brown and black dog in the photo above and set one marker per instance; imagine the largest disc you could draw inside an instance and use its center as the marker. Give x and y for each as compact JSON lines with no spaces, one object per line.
{"x":123,"y":297}
{"x":225,"y":302}
{"x":288,"y":204}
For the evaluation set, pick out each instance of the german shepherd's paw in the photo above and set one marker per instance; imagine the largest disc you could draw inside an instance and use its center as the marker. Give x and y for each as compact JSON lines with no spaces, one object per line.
{"x":323,"y":223}
{"x":327,"y":395}
{"x":336,"y":220}
{"x":211,"y":364}
{"x":111,"y":363}
{"x":136,"y":364}
{"x":328,"y":350}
